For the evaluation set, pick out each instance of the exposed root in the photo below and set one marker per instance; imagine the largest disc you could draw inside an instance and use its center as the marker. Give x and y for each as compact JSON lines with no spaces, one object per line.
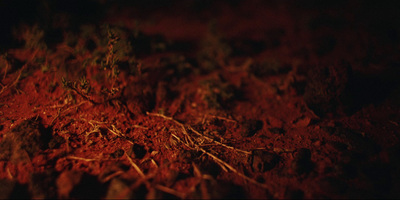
{"x":115,"y":131}
{"x":221,"y":118}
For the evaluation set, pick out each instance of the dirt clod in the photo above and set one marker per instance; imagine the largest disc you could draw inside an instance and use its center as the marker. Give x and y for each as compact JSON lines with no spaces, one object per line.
{"x":24,"y":141}
{"x":327,"y":90}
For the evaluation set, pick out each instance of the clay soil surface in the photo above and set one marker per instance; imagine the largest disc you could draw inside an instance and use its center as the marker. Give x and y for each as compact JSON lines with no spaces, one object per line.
{"x":199,"y":99}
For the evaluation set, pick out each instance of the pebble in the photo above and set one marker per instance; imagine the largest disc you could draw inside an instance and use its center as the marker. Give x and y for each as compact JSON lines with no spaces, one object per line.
{"x":262,"y":161}
{"x":250,"y":127}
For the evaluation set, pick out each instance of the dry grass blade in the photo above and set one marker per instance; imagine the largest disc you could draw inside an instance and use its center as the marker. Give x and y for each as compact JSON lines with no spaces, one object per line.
{"x":145,"y":179}
{"x":221,"y":118}
{"x":183,"y":129}
{"x":224,"y":165}
{"x":138,"y":170}
{"x":219,"y":143}
{"x":197,"y":133}
{"x":83,"y":159}
{"x":115,"y":131}
{"x":221,"y":162}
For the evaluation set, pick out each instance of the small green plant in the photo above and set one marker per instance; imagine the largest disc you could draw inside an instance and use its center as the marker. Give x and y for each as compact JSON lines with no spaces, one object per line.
{"x":82,"y":88}
{"x":110,"y":64}
{"x":116,"y":50}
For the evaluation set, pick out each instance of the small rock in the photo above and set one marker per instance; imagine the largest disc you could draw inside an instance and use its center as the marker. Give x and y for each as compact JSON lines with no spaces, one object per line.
{"x":262,"y":161}
{"x":250,"y":127}
{"x":302,"y":121}
{"x":274,"y":122}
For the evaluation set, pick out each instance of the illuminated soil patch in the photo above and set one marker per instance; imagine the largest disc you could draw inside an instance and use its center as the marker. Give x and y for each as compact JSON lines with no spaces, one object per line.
{"x":199,"y":99}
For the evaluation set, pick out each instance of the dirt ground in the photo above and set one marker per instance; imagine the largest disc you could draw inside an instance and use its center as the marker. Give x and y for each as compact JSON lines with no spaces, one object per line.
{"x":199,"y":99}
